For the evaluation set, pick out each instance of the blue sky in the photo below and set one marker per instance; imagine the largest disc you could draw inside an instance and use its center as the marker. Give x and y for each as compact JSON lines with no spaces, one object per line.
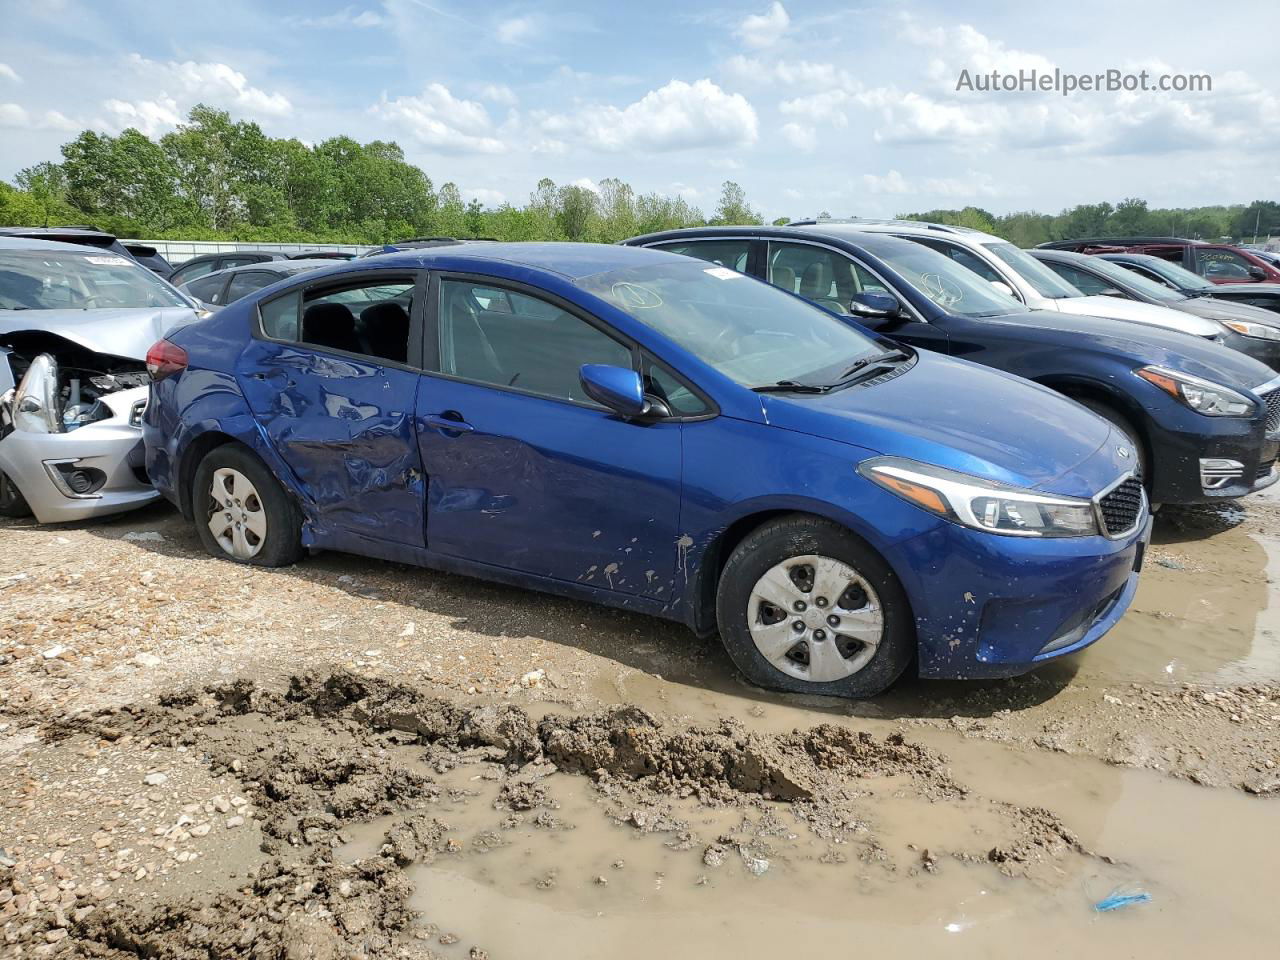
{"x":809,"y":105}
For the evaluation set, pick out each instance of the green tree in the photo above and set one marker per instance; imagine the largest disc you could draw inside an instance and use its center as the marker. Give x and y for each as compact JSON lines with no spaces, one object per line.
{"x":451,"y":214}
{"x":577,"y":216}
{"x":46,"y":182}
{"x":733,"y":208}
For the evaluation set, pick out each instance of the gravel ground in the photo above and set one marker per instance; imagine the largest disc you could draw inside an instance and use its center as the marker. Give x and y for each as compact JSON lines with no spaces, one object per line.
{"x":142,"y":814}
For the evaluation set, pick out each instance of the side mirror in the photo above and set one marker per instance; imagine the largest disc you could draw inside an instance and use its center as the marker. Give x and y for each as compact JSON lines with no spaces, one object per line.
{"x":1002,"y":287}
{"x":872,"y":307}
{"x":1257,"y":272}
{"x":619,"y":389}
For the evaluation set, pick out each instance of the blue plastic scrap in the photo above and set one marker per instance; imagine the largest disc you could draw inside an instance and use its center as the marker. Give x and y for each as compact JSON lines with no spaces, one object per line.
{"x":1119,"y":900}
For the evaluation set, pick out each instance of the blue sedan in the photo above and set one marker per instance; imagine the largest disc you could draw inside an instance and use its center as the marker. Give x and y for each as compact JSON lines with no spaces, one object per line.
{"x":651,"y":432}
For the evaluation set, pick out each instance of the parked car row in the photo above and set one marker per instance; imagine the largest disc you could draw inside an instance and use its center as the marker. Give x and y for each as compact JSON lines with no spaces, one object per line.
{"x":845,"y":447}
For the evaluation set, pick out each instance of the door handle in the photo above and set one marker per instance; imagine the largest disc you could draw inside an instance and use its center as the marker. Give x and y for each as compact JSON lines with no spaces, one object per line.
{"x":449,"y":422}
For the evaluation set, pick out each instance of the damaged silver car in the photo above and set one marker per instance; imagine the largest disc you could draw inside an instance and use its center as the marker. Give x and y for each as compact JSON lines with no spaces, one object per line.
{"x":75,"y":326}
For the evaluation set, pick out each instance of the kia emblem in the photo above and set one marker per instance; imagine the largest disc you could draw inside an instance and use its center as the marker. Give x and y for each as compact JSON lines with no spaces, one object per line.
{"x":1123,"y":452}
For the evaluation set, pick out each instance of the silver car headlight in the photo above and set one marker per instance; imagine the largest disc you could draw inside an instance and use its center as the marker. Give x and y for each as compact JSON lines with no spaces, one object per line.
{"x":982,"y":504}
{"x":1203,"y":396}
{"x":1261,"y":331}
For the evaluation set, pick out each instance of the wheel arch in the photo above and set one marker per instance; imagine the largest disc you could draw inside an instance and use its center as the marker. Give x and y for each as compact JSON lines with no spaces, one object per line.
{"x":1123,"y":404}
{"x":193,"y":453}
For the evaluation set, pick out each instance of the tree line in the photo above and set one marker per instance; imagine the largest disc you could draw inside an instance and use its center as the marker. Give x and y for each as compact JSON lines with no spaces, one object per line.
{"x":214,"y":178}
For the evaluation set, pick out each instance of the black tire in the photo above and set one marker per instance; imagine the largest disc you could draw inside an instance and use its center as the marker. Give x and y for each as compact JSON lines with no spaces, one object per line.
{"x":1125,"y":426}
{"x":282,"y":544}
{"x":12,"y":503}
{"x":798,"y":535}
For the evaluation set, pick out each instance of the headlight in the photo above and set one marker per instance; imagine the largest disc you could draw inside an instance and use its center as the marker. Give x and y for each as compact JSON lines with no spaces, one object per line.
{"x":35,"y":402}
{"x":1203,"y":396}
{"x":982,"y":504}
{"x":1260,"y":330}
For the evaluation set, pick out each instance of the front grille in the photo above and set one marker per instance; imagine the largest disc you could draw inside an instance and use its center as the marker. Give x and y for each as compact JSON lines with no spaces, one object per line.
{"x":1272,"y":400}
{"x":1121,"y":506}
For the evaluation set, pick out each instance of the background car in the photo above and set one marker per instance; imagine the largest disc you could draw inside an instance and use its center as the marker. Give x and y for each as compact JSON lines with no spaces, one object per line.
{"x":150,"y":258}
{"x":1264,"y":295}
{"x":1143,"y":379}
{"x":75,"y":324}
{"x":188,"y":270}
{"x":215,"y":290}
{"x":1247,"y":328}
{"x":575,"y":418}
{"x":1020,"y":275}
{"x":1220,"y":263}
{"x":82,"y":236}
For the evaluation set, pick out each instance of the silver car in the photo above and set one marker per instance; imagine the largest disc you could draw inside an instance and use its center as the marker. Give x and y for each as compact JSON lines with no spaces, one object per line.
{"x":75,"y":327}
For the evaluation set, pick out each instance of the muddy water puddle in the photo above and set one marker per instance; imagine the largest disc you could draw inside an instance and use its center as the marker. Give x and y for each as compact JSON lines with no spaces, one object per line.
{"x":1207,"y":611}
{"x":589,"y":883}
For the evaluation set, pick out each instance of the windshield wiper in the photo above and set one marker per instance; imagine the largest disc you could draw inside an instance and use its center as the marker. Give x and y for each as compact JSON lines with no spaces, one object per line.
{"x":874,"y":360}
{"x":791,"y":386}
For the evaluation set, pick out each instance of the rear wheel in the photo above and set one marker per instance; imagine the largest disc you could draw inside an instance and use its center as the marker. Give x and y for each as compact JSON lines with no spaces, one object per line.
{"x":805,"y":606}
{"x":12,"y":503}
{"x":242,"y":513}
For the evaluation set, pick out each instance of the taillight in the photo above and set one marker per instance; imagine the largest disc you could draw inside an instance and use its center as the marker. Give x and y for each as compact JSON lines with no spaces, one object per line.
{"x":164,"y":359}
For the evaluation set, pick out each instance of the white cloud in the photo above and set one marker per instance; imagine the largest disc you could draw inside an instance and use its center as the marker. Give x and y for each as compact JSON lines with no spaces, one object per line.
{"x":443,"y":122}
{"x":678,"y":116}
{"x":764,"y":29}
{"x":891,"y":182}
{"x":586,"y":183}
{"x":346,"y":17}
{"x":13,"y":115}
{"x":801,"y":137}
{"x":498,"y":93}
{"x":487,"y":197}
{"x":517,"y":30}
{"x":17,"y":117}
{"x":178,"y":86}
{"x":8,"y":73}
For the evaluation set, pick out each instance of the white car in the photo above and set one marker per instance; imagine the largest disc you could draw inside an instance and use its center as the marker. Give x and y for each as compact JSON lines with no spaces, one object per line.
{"x":75,"y":326}
{"x":1016,"y":272}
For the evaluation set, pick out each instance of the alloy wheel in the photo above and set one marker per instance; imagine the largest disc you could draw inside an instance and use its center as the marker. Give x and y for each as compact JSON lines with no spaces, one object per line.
{"x":815,"y":618}
{"x":236,"y":516}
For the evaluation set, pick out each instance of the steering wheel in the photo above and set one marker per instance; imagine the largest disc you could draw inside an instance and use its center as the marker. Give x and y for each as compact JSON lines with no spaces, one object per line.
{"x":940,"y":290}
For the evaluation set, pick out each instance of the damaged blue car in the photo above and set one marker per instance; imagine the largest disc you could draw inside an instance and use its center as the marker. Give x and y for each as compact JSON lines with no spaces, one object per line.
{"x":652,"y":432}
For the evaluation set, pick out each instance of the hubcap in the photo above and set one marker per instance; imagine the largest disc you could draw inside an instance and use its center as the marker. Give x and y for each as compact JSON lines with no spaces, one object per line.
{"x":815,"y":618}
{"x":236,"y":516}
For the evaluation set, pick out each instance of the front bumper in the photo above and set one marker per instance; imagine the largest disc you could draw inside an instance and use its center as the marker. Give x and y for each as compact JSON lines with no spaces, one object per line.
{"x":1267,"y":351}
{"x":990,"y":606}
{"x":112,"y":446}
{"x":1182,"y":439}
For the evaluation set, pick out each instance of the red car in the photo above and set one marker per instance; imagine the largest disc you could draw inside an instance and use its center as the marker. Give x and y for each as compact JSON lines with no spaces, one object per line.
{"x":1217,"y":262}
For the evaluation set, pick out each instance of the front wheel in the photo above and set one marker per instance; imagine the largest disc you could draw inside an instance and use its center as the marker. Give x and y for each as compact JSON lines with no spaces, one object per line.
{"x":12,"y":503}
{"x":242,"y":513}
{"x":805,"y":606}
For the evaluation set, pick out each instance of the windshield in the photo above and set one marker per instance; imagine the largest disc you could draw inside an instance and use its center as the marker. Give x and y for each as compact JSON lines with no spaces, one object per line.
{"x":953,"y":287}
{"x":70,"y":280}
{"x":1042,"y":279}
{"x":1180,"y":277}
{"x":753,"y":333}
{"x":1129,"y":278}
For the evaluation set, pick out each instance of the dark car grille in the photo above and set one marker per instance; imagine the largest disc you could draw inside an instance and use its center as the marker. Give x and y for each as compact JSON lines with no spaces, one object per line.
{"x":1272,"y":400}
{"x":1121,"y":507}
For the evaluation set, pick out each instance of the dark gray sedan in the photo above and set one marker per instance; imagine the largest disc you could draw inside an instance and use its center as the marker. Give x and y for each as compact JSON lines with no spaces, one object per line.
{"x":215,"y":290}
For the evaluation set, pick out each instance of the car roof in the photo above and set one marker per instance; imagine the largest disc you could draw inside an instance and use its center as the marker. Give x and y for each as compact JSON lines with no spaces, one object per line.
{"x":872,"y":242}
{"x":28,"y":243}
{"x":1065,"y":255}
{"x":39,"y":232}
{"x":570,"y":260}
{"x":914,"y":227}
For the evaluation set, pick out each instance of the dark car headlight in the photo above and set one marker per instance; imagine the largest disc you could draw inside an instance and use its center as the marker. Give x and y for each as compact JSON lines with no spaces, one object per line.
{"x":982,"y":504}
{"x":1260,"y":331}
{"x":1202,"y":396}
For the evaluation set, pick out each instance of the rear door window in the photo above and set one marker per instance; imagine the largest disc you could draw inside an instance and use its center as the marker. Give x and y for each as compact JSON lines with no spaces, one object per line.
{"x":188,"y":272}
{"x":208,"y":288}
{"x":247,"y":282}
{"x":726,"y":253}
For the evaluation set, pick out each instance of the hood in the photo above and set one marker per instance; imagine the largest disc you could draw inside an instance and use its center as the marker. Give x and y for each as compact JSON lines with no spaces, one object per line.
{"x":1142,"y":345}
{"x":1115,"y":308}
{"x":1214,"y":309}
{"x":959,"y":415}
{"x":117,"y":332}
